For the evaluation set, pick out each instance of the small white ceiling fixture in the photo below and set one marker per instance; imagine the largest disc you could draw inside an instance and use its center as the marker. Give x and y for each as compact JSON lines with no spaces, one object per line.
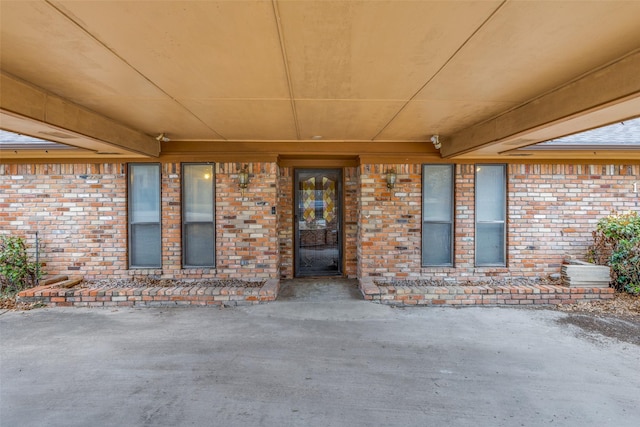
{"x":163,"y":137}
{"x":436,"y":141}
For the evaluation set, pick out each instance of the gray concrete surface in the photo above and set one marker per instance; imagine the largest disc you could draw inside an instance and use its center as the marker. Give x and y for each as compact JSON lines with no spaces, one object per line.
{"x":317,"y":357}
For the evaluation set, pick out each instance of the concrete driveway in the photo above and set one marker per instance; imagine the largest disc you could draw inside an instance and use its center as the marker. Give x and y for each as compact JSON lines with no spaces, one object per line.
{"x":312,"y":359}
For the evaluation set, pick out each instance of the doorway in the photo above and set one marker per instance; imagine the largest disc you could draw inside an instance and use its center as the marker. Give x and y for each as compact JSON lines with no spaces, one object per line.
{"x":318,"y":222}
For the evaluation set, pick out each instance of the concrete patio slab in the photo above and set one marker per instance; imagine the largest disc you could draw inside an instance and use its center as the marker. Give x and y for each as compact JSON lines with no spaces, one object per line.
{"x":311,"y":361}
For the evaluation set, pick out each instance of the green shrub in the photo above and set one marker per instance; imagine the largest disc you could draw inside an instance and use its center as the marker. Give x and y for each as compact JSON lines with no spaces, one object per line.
{"x":617,"y":244}
{"x":16,"y":271}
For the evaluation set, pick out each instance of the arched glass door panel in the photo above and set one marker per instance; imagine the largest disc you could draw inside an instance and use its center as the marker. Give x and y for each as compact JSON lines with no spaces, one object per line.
{"x":318,"y":228}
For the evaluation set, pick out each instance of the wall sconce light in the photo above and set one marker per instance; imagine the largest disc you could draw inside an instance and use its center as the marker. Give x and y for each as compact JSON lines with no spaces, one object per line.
{"x":243,"y":178}
{"x":391,"y":178}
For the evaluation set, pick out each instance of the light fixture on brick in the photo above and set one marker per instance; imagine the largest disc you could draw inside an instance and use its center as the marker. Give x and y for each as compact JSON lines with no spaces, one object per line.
{"x":391,"y":178}
{"x":243,"y":178}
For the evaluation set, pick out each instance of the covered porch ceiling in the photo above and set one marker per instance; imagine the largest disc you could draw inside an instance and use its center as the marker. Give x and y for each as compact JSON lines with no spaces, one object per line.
{"x":286,"y":77}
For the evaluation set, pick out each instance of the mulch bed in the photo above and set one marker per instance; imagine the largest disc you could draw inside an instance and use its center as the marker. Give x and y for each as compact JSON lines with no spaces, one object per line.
{"x":621,"y":305}
{"x":518,"y":281}
{"x":147,"y":282}
{"x":10,"y":303}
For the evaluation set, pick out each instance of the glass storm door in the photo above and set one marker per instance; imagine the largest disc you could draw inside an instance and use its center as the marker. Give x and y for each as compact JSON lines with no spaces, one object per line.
{"x":317,"y":219}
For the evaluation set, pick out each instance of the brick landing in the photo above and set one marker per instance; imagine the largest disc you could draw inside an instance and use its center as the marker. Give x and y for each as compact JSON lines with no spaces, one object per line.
{"x":54,"y":295}
{"x":480,"y":295}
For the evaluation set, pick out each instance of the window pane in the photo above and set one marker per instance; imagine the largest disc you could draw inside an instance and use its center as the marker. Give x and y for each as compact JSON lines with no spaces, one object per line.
{"x":490,"y":192}
{"x":490,"y":244}
{"x":438,"y":192}
{"x":437,"y":215}
{"x":436,"y":244}
{"x":144,"y":193}
{"x":144,"y":215}
{"x":198,"y":208}
{"x":199,"y":244}
{"x":145,"y":245}
{"x":198,"y":193}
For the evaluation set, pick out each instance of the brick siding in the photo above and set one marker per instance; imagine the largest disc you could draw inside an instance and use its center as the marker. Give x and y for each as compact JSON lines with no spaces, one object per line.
{"x":552,"y":211}
{"x":389,"y":235}
{"x":351,"y":186}
{"x":285,"y":222}
{"x":80,"y":213}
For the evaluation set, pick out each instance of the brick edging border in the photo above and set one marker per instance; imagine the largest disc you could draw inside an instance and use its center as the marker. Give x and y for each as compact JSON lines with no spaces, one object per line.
{"x":490,"y":295}
{"x":150,"y":297}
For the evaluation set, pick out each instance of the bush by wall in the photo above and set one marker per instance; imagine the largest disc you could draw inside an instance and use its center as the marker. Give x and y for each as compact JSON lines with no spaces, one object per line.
{"x":617,"y":244}
{"x":16,"y":270}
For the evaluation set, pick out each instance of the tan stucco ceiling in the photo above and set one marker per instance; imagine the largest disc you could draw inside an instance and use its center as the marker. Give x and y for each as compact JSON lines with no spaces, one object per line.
{"x":488,"y":76}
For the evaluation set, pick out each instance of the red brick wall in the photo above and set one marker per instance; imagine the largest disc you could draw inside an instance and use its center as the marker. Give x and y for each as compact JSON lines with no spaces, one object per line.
{"x":389,"y":233}
{"x":246,"y":235}
{"x":351,"y":188}
{"x":80,"y":212}
{"x":552,"y":210}
{"x":285,"y":222}
{"x":464,"y":242}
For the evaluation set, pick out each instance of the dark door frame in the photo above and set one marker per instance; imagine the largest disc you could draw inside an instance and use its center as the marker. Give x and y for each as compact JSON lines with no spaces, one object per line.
{"x":340,"y":218}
